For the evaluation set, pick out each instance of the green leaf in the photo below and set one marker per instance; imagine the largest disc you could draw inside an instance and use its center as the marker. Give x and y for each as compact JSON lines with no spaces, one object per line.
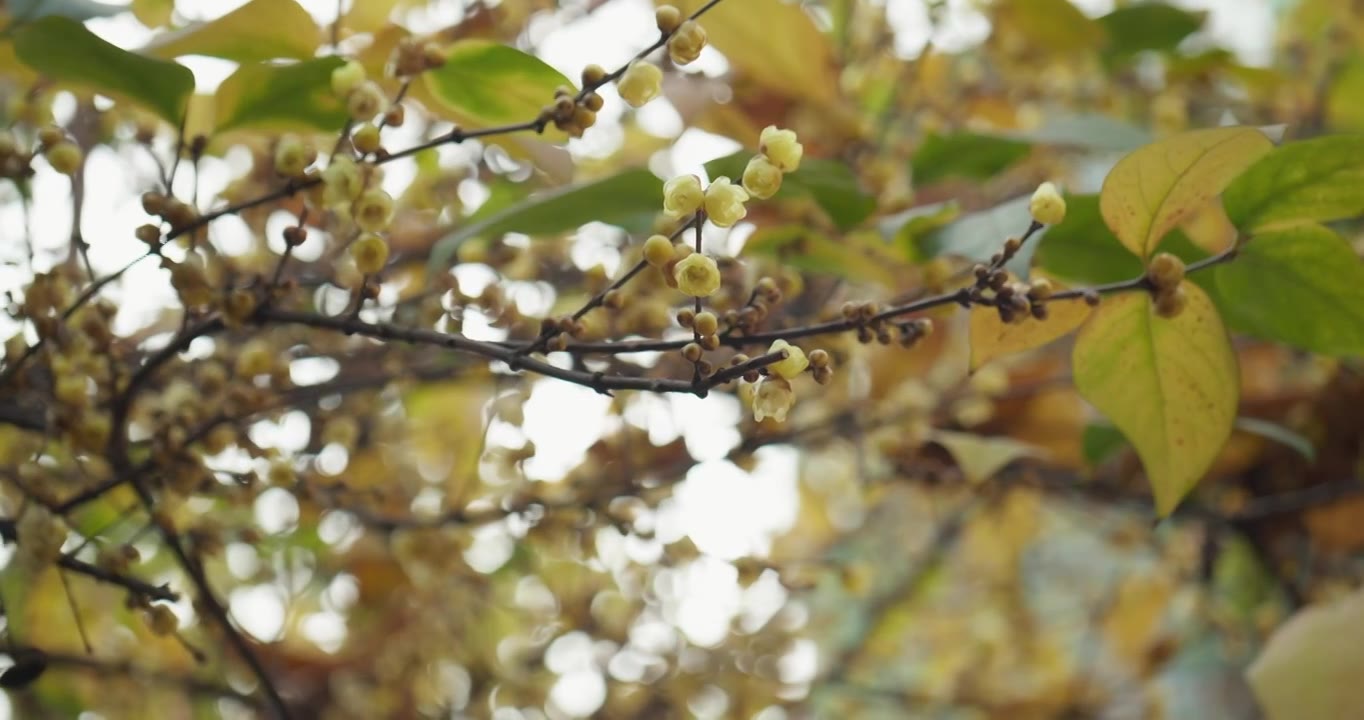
{"x":1099,"y":133}
{"x":829,"y":183}
{"x":1156,"y":187}
{"x":1101,"y":442}
{"x":1343,"y":109}
{"x":1316,"y":180}
{"x":258,"y":30}
{"x":967,"y":155}
{"x":1170,"y":385}
{"x":1148,"y":26}
{"x":861,"y":256}
{"x":281,"y":97}
{"x":66,"y":51}
{"x":629,"y":200}
{"x":28,"y":10}
{"x":1279,"y":434}
{"x":1083,"y":250}
{"x":1302,"y":286}
{"x":909,"y":228}
{"x":981,"y":234}
{"x":487,"y":83}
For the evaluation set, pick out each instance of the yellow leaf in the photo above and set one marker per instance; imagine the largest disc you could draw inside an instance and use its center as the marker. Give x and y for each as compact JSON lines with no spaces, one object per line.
{"x":979,"y":457}
{"x":1157,"y":187}
{"x":992,"y":338}
{"x":1133,"y":622}
{"x":772,"y":43}
{"x":1312,"y":664}
{"x":1170,"y":385}
{"x":1210,"y":229}
{"x":259,"y":30}
{"x":368,"y":15}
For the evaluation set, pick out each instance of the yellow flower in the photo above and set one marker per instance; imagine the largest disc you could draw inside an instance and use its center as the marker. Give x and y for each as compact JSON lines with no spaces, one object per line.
{"x":762,"y":179}
{"x":725,"y":202}
{"x":641,"y":83}
{"x":370,"y":253}
{"x":682,"y":195}
{"x":773,"y":399}
{"x":794,"y":364}
{"x":697,"y":275}
{"x":341,"y":181}
{"x":781,"y":147}
{"x":373,"y":210}
{"x":687,"y":43}
{"x":1047,"y":205}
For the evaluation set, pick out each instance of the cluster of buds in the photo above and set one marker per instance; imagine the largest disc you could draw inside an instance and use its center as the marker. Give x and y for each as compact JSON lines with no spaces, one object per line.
{"x":765,"y":295}
{"x":1014,"y":300}
{"x":779,"y":152}
{"x":414,"y":56}
{"x":62,"y":154}
{"x":1165,"y":274}
{"x":571,"y":114}
{"x":871,"y":327}
{"x":178,"y":213}
{"x":642,"y":81}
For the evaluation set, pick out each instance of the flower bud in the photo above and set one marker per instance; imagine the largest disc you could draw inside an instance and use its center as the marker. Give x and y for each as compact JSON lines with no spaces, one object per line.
{"x":1165,"y":272}
{"x":1047,"y":206}
{"x":687,"y":42}
{"x":794,"y":364}
{"x":658,"y":250}
{"x":642,"y":82}
{"x":781,"y":147}
{"x":347,"y":78}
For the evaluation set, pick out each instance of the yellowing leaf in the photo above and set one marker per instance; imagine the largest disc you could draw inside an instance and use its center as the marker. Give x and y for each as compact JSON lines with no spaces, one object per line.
{"x":1312,"y":664}
{"x":486,"y":83}
{"x":774,"y":44}
{"x":368,"y":15}
{"x":1170,"y":385}
{"x":992,"y":338}
{"x":1157,"y":187}
{"x":258,"y":30}
{"x":280,"y":97}
{"x":979,"y":457}
{"x":1132,"y":624}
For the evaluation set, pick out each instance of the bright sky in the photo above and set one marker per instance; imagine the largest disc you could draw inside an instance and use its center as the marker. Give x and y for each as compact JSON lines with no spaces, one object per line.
{"x":728,"y":513}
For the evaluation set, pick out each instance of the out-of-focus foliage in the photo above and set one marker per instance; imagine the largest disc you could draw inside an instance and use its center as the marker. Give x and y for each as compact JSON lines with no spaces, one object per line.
{"x":384,"y":378}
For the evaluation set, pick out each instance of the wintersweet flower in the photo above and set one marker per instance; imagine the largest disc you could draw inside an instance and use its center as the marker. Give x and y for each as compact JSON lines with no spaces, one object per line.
{"x":762,"y":179}
{"x":682,"y":195}
{"x":781,"y":147}
{"x":773,"y":399}
{"x":794,"y":364}
{"x":725,"y":202}
{"x":641,"y":83}
{"x":697,"y":275}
